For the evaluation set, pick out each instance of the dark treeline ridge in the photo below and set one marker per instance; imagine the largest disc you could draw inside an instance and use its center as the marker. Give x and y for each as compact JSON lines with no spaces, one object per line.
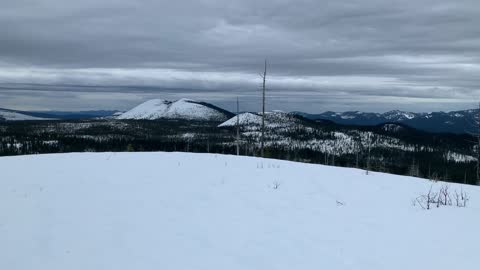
{"x":413,"y":153}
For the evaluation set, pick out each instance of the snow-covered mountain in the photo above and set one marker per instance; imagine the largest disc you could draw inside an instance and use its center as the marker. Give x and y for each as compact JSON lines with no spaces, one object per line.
{"x":291,"y":131}
{"x":243,"y":119}
{"x":181,"y":109}
{"x":453,"y":122}
{"x":275,"y":119}
{"x":12,"y":115}
{"x":209,"y":211}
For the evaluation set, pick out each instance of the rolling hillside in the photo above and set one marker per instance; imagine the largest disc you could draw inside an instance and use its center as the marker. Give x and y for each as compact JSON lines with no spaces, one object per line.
{"x":207,"y":211}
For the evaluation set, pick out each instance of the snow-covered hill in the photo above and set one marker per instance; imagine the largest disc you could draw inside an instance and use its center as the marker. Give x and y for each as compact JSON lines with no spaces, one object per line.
{"x":10,"y":115}
{"x":206,"y":211}
{"x":275,"y":119}
{"x":180,"y":109}
{"x":243,"y":119}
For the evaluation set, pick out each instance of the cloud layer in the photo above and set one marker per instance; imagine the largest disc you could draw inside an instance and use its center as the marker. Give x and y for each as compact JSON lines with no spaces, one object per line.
{"x":372,"y":55}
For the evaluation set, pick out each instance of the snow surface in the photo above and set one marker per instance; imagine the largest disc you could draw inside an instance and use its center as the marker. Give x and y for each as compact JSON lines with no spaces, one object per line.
{"x":15,"y":116}
{"x":273,"y":119}
{"x":243,"y":119}
{"x":180,"y":109}
{"x":392,"y":127}
{"x":207,"y":211}
{"x":398,"y":115}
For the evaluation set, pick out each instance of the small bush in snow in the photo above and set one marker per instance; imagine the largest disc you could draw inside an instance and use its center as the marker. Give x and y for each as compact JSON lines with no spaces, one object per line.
{"x":442,"y":197}
{"x":276,"y":185}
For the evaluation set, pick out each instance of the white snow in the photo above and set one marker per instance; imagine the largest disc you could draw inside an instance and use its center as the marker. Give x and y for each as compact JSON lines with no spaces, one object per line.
{"x":273,"y":120}
{"x":151,"y":109}
{"x":457,"y":157}
{"x":206,"y":211}
{"x":243,"y":119}
{"x":392,"y":128}
{"x":180,"y":109}
{"x":15,"y":116}
{"x":396,"y":115}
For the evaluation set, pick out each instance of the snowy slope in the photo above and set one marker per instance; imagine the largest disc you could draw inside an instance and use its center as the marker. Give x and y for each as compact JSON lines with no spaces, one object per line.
{"x":243,"y":119}
{"x":9,"y":115}
{"x":273,"y":119}
{"x":180,"y":109}
{"x":151,"y":109}
{"x":200,"y":211}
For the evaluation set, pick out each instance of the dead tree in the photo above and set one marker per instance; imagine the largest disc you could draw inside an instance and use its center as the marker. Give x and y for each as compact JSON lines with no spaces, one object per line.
{"x":369,"y":148}
{"x":477,"y":135}
{"x":414,"y":169}
{"x":264,"y":77}
{"x":356,"y":158}
{"x":238,"y":130}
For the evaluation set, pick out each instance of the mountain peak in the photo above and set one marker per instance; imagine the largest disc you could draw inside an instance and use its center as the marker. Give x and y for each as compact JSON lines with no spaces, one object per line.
{"x":186,"y":100}
{"x":184,"y":108}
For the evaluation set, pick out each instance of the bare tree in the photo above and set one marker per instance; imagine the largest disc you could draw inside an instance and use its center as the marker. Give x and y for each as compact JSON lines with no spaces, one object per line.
{"x":441,"y":198}
{"x":477,"y":135}
{"x":356,"y":158}
{"x":238,"y":130}
{"x":414,"y":169}
{"x":264,"y":77}
{"x":369,"y":142}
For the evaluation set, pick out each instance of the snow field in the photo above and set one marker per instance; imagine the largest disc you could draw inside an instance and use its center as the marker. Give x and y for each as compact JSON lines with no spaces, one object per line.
{"x":207,"y":211}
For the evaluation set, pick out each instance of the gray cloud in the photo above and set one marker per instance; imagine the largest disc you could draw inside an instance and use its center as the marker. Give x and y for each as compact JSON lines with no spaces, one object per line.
{"x":370,"y":55}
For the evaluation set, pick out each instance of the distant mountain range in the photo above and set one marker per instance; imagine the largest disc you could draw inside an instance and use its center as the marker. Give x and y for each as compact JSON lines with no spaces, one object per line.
{"x":13,"y":115}
{"x":438,"y":122}
{"x":444,"y":122}
{"x":16,"y":115}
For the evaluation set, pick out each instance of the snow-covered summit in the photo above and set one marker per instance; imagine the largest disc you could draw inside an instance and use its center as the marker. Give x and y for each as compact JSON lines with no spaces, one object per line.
{"x":181,"y":109}
{"x":398,"y":115}
{"x":150,"y":109}
{"x":243,"y":119}
{"x":273,"y":119}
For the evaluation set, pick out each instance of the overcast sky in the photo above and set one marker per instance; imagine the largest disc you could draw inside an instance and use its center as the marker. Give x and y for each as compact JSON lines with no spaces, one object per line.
{"x":369,"y":55}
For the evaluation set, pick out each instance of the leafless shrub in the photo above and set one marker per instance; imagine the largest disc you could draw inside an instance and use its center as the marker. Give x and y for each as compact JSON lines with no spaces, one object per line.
{"x":426,"y":201}
{"x":441,"y":198}
{"x":461,"y":199}
{"x":276,"y":185}
{"x":444,"y":196}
